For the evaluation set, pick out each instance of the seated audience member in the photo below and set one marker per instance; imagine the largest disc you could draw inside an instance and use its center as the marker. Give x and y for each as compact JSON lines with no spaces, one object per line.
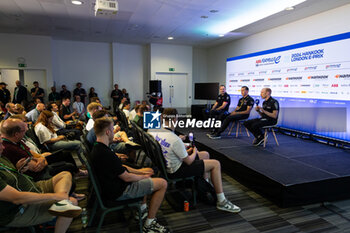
{"x":27,"y":203}
{"x":121,"y":143}
{"x":124,"y":99}
{"x":92,"y":93}
{"x":241,"y":112}
{"x":54,"y":95}
{"x":145,"y":102}
{"x":40,"y":166}
{"x":138,"y":119}
{"x":44,"y":130}
{"x":59,"y":125}
{"x":268,"y":113}
{"x":180,"y":164}
{"x":133,"y":111}
{"x":79,"y":108}
{"x":119,"y":182}
{"x":11,"y":110}
{"x":65,"y":93}
{"x":20,"y":109}
{"x":91,"y":108}
{"x":65,"y":113}
{"x":126,"y":108}
{"x":34,"y":114}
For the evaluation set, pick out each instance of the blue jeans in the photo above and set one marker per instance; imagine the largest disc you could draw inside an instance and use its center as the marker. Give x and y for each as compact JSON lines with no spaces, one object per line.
{"x":67,"y":145}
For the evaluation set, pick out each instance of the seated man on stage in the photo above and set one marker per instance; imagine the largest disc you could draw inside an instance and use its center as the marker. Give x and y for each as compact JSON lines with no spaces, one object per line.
{"x":241,"y":112}
{"x":221,"y":105}
{"x":180,"y":164}
{"x":268,"y":113}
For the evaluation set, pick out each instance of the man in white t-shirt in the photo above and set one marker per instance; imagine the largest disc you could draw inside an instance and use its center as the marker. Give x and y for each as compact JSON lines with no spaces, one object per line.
{"x":91,"y":108}
{"x":181,"y":164}
{"x":78,"y":107}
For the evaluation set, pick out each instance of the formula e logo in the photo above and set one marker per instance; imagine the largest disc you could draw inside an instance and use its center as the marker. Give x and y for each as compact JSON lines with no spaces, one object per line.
{"x":151,"y":120}
{"x":268,"y":61}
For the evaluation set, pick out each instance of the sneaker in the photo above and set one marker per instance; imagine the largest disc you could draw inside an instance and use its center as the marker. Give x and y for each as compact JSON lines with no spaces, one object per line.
{"x":258,"y":141}
{"x":215,"y":136}
{"x":154,"y":227}
{"x":144,"y":214}
{"x":65,"y":208}
{"x":226,"y":205}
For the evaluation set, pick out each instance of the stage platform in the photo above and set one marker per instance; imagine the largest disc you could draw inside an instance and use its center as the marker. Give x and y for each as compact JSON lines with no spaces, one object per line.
{"x":296,"y":172}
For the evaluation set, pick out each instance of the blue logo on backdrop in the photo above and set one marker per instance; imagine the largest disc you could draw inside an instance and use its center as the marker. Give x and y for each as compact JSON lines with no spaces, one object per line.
{"x":151,"y":120}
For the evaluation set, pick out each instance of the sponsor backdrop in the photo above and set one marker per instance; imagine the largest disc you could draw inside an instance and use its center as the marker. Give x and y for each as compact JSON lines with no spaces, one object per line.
{"x":311,"y":80}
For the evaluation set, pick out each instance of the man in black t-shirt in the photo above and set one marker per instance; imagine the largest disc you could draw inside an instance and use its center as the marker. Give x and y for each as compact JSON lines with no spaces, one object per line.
{"x":37,"y":92}
{"x":268,"y":113}
{"x":120,"y":182}
{"x":80,"y":92}
{"x":221,"y":105}
{"x":65,"y":93}
{"x":65,"y":112}
{"x":117,"y":96}
{"x":241,"y":112}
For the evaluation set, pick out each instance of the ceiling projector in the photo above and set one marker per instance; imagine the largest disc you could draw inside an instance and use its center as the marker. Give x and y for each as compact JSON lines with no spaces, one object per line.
{"x":106,"y":7}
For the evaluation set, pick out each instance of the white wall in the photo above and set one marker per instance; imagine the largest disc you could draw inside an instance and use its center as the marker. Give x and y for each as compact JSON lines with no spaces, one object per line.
{"x":200,"y":70}
{"x":35,"y":49}
{"x":130,"y":69}
{"x":163,"y":57}
{"x":328,"y":23}
{"x":86,"y":62}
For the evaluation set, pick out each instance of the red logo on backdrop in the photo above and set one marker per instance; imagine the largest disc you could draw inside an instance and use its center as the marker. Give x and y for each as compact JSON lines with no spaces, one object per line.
{"x":285,"y":85}
{"x":258,"y":61}
{"x":334,"y":85}
{"x":253,"y":85}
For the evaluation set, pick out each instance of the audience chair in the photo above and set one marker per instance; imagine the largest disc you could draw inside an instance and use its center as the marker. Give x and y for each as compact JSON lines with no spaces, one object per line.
{"x":123,"y":120}
{"x":267,"y":129}
{"x":108,"y":206}
{"x":155,"y":153}
{"x":239,"y":125}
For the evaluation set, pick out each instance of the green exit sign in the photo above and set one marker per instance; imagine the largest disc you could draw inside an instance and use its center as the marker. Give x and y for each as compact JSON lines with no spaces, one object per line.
{"x":22,"y":65}
{"x":171,"y":69}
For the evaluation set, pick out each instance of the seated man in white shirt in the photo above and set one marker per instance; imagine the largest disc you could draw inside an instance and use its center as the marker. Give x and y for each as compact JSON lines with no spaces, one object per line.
{"x":79,"y":108}
{"x":180,"y":164}
{"x":91,"y":108}
{"x":59,"y":125}
{"x":126,"y":108}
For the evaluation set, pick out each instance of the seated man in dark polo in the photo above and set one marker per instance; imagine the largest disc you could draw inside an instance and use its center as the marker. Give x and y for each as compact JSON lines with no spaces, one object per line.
{"x":241,"y":112}
{"x":221,"y":105}
{"x":120,"y":182}
{"x":268,"y":113}
{"x":27,"y":203}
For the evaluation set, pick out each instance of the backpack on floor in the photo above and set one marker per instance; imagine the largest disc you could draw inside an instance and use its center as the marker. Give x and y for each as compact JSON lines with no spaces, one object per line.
{"x":205,"y":191}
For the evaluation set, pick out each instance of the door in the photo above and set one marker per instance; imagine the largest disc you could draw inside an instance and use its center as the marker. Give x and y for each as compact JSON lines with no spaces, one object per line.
{"x":174,"y":90}
{"x":9,"y":76}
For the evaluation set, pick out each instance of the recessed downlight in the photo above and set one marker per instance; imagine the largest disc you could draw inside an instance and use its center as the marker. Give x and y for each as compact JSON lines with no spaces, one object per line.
{"x":76,"y":2}
{"x":221,"y":35}
{"x":289,"y":8}
{"x":170,"y":38}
